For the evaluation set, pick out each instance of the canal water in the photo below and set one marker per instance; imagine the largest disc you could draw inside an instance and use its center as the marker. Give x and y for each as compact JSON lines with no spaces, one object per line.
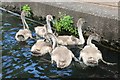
{"x":17,"y":61}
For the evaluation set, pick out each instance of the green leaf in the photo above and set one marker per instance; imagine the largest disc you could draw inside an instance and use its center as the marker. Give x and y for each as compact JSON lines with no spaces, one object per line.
{"x":26,"y":8}
{"x":65,"y":22}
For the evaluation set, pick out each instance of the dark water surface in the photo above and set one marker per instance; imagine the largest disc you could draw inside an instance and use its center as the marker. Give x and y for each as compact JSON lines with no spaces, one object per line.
{"x":17,"y":61}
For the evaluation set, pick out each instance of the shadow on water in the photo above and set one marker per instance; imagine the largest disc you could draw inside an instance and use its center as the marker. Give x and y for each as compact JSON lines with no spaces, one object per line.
{"x":17,"y":61}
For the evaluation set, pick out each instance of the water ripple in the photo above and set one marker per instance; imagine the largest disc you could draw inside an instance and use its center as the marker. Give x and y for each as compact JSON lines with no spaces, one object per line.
{"x":17,"y":61}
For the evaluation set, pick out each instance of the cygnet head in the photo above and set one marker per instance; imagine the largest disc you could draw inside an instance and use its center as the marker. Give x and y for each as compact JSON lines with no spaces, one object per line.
{"x":49,"y":18}
{"x":24,"y":13}
{"x":80,"y":21}
{"x":95,"y":37}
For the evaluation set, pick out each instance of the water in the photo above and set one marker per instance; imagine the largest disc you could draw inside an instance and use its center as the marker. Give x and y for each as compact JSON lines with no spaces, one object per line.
{"x":17,"y":61}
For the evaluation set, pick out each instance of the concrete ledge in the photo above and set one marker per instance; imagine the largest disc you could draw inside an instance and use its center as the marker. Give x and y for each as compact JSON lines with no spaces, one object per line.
{"x":101,"y":10}
{"x":103,"y":18}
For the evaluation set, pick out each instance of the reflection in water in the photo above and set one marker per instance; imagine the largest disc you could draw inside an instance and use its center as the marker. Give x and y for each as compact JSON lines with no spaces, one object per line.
{"x":17,"y":61}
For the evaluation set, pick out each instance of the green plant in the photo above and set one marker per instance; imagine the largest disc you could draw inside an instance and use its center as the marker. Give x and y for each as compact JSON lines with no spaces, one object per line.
{"x":65,"y":23}
{"x":27,"y":9}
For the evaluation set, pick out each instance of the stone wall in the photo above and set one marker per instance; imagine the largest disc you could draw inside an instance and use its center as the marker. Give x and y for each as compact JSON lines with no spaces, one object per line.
{"x":103,"y":19}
